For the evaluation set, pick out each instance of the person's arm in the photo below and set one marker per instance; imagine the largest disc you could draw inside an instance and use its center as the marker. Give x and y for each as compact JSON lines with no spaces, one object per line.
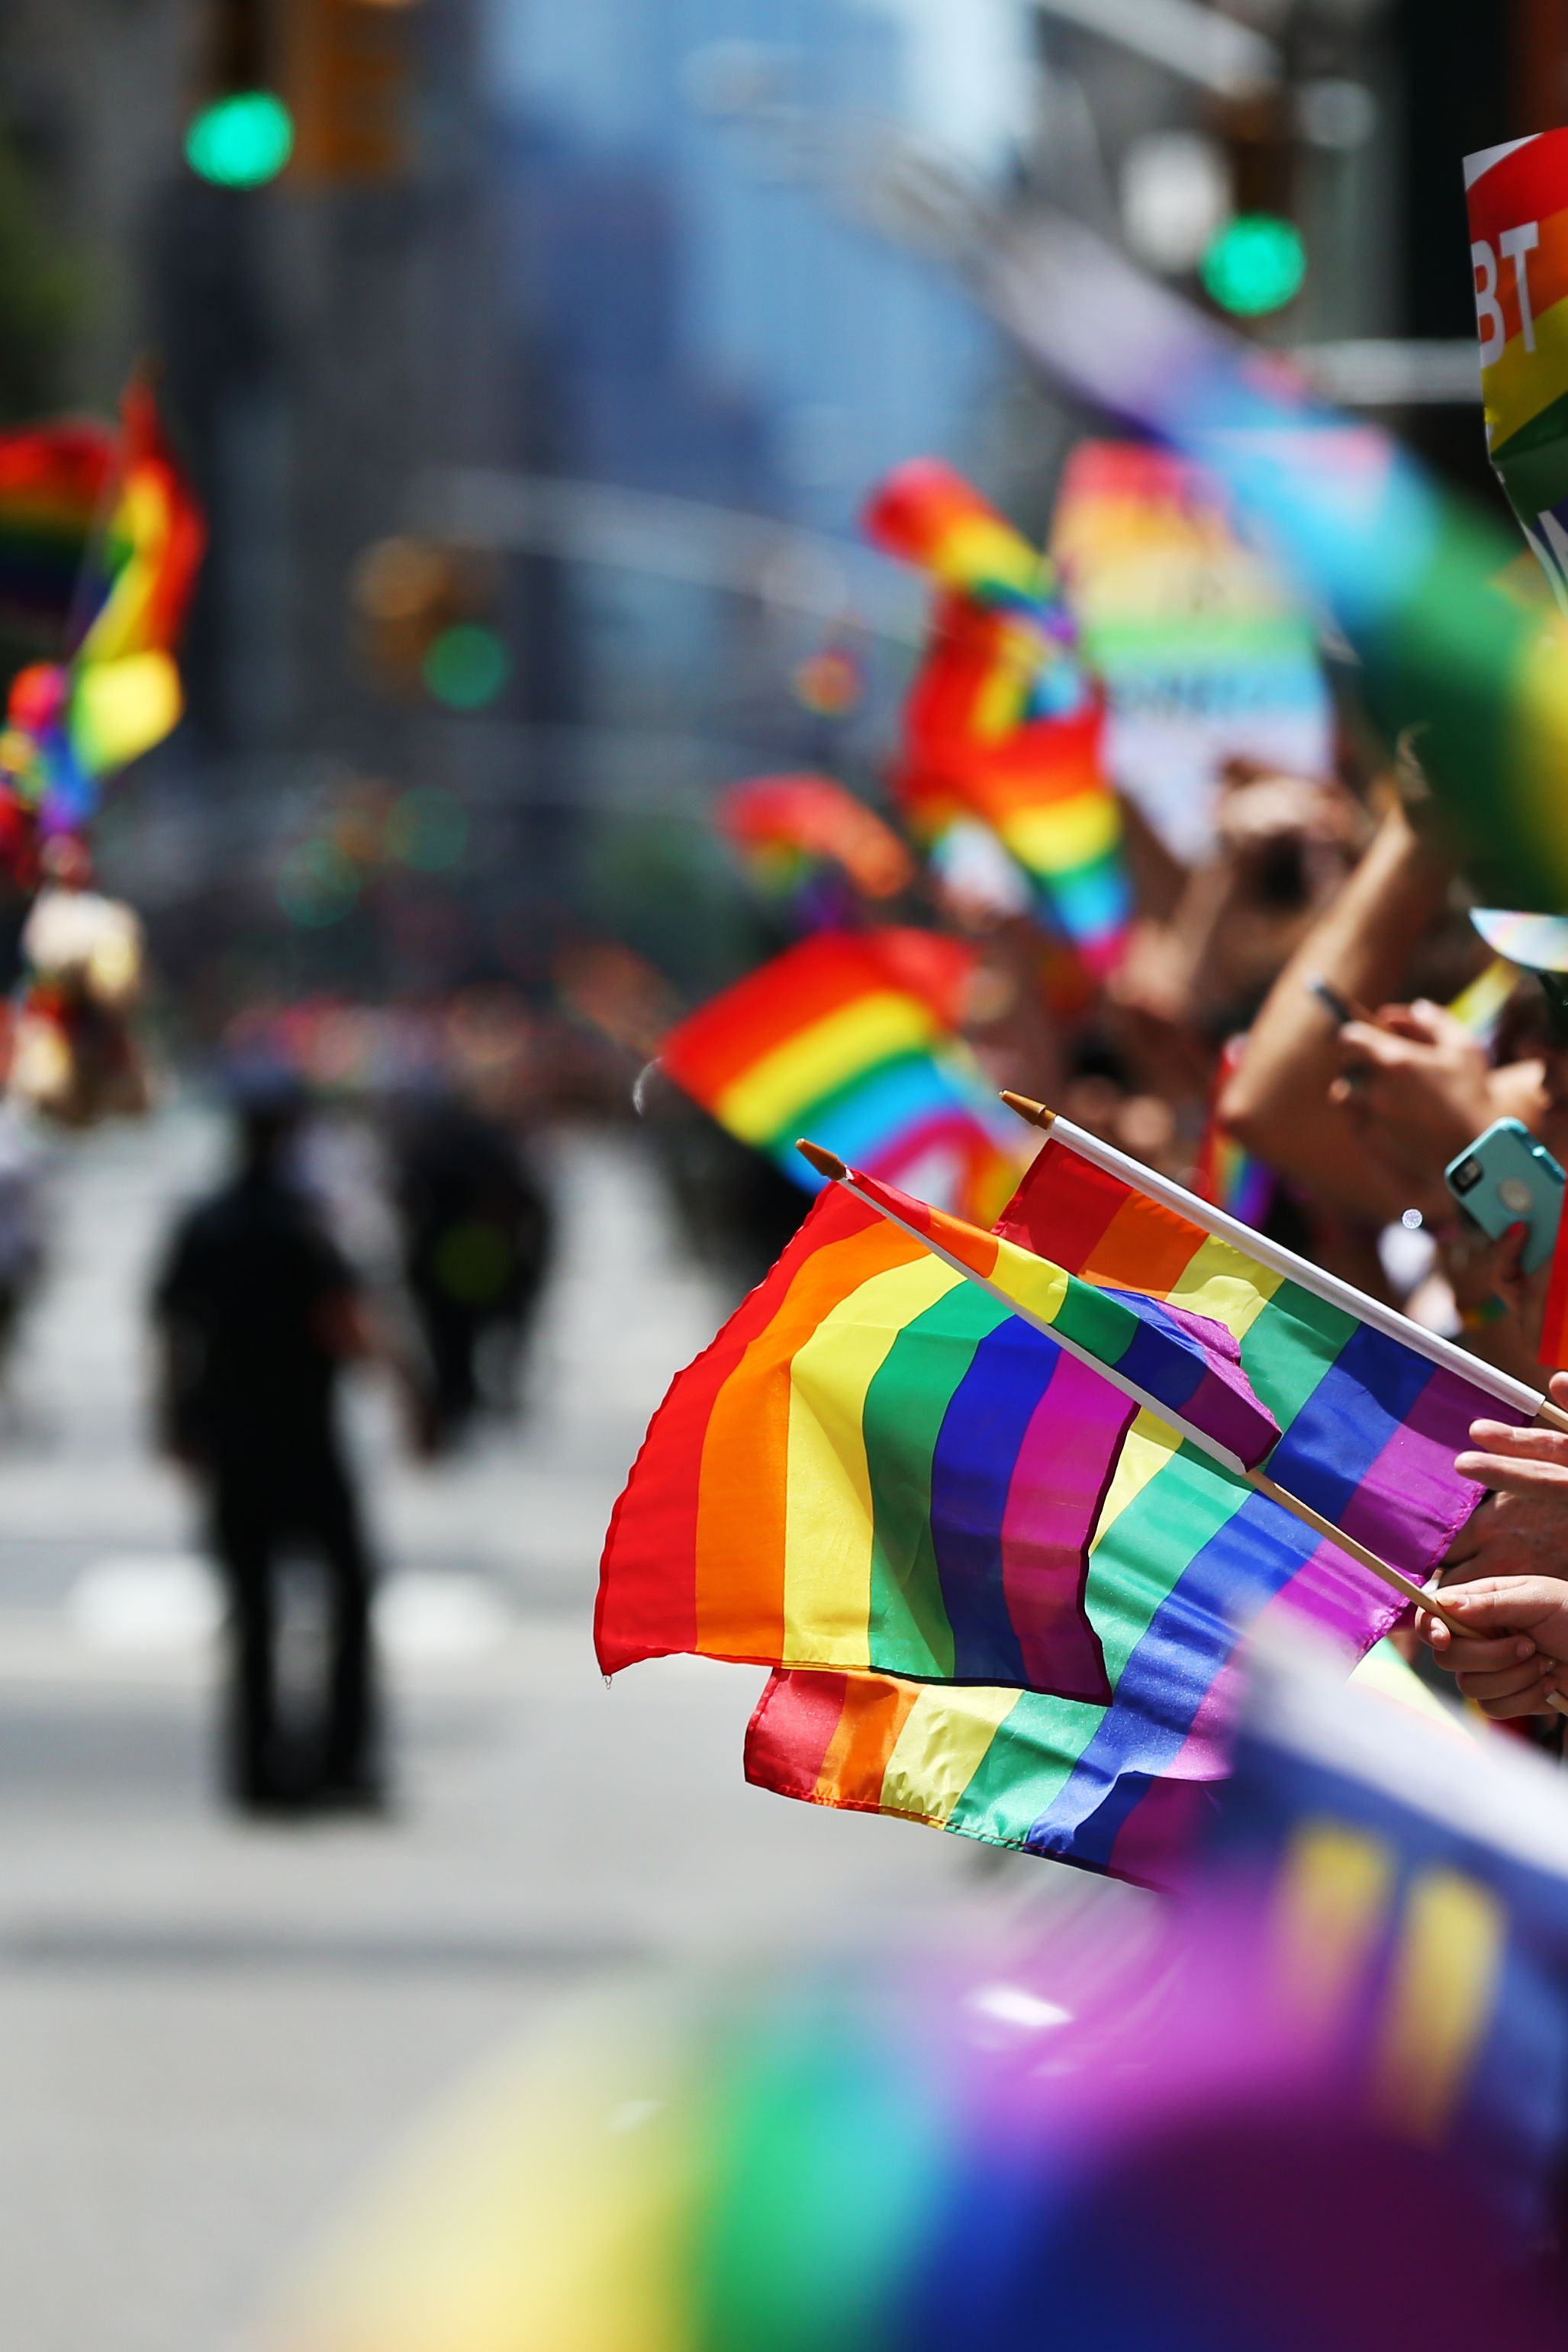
{"x":1277,"y":1105}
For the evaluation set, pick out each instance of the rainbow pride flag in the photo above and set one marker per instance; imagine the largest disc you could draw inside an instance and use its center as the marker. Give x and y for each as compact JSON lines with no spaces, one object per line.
{"x":789,"y":828}
{"x":1201,"y":654}
{"x":1000,"y":724}
{"x":1371,"y":1421}
{"x":876,"y":1468}
{"x":1407,"y":572}
{"x":70,"y":724}
{"x":1186,"y":1364}
{"x":1005,"y":1766}
{"x":56,"y":482}
{"x":926,"y":513}
{"x":1043,"y":792}
{"x":852,"y":1037}
{"x":1225,"y":1172}
{"x":1518,"y":201}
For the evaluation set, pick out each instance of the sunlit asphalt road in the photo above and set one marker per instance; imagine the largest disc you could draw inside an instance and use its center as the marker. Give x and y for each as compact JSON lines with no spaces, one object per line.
{"x":206,"y":2027}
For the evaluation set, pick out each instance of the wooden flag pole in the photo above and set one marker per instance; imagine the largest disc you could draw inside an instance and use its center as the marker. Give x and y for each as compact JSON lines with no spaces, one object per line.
{"x":1279,"y":1260}
{"x":829,"y":1164}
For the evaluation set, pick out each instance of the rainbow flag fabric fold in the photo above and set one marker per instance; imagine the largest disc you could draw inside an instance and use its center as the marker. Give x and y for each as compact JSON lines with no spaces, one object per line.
{"x":992,"y":1765}
{"x":1370,"y":1426}
{"x":852,"y":1039}
{"x":1187,"y":1363}
{"x":54,"y":484}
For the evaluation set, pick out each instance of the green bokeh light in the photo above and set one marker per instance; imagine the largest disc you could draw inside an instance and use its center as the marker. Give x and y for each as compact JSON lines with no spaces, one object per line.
{"x":241,"y":142}
{"x":467,"y":666}
{"x":1256,"y":263}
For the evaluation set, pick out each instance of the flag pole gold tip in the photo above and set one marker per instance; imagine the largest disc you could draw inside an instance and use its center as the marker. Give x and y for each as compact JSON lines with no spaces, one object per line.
{"x":826,"y":1164}
{"x":1036,"y":1113}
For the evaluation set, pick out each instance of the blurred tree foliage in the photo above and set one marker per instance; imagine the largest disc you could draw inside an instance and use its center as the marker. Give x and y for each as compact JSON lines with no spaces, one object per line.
{"x":41,"y":293}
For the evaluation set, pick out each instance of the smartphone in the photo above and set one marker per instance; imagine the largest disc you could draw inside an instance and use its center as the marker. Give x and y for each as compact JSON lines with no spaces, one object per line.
{"x":1339,"y":1008}
{"x":1505,"y":1177}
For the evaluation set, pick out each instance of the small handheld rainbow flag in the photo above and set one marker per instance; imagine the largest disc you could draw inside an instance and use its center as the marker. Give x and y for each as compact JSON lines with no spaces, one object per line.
{"x":56,"y":481}
{"x":789,"y":828}
{"x":878,"y":1469}
{"x":854,"y":1035}
{"x":1000,"y":724}
{"x":70,"y":724}
{"x":1225,"y":1172}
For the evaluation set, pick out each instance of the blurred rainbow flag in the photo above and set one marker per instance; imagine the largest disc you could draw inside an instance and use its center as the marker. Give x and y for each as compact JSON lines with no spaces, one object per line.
{"x":788,"y":829}
{"x":1000,"y":723}
{"x":1407,"y":572}
{"x":1225,"y":1173}
{"x":1201,"y":654}
{"x":852,"y":1037}
{"x":56,"y":481}
{"x":70,"y":724}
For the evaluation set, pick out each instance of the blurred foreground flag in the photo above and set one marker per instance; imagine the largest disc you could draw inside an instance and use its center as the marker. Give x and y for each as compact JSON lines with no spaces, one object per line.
{"x":1518,"y":200}
{"x":790,"y":829}
{"x":852,"y":1039}
{"x":877,"y":1468}
{"x":1406,"y":572}
{"x":1202,"y":656}
{"x":1000,"y":723}
{"x":1410,"y":1889}
{"x":56,"y":481}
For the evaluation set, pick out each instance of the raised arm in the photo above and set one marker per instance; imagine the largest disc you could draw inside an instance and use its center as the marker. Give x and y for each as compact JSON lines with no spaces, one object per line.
{"x":1277,"y":1104}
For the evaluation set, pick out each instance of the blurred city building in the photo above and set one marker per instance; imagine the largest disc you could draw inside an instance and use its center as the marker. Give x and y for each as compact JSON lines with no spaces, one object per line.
{"x":531,"y":262}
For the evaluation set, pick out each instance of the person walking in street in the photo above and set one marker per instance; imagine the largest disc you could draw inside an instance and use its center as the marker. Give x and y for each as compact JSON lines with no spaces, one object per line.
{"x":258,"y":1311}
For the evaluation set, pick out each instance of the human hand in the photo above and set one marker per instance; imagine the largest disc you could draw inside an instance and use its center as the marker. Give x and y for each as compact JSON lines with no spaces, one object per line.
{"x":1510,"y":1657}
{"x":1520,"y":1528}
{"x":1421,"y":1077}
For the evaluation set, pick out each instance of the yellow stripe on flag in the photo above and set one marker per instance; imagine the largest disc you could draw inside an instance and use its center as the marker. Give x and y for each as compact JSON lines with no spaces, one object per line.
{"x":820,"y":1059}
{"x":828,"y":1513}
{"x":1067,"y":832}
{"x":1228,"y":1288}
{"x":1329,"y":1914}
{"x":1145,"y":1450}
{"x":941,"y":1748}
{"x":1440,"y":1999}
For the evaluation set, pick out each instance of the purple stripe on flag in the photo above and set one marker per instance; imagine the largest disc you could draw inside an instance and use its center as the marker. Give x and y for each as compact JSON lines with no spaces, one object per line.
{"x":1060,"y":1481}
{"x":1412,"y":1501}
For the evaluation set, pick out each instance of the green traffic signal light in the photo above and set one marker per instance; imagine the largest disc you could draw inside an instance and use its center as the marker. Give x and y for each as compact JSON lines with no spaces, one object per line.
{"x":242,"y":140}
{"x":467,"y":666}
{"x":1256,"y":264}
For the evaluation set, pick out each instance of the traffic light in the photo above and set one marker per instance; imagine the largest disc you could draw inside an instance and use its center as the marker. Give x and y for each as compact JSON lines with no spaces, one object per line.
{"x":242,"y":132}
{"x":423,"y":608}
{"x":1256,"y":261}
{"x":351,"y":73}
{"x":1254,"y":264}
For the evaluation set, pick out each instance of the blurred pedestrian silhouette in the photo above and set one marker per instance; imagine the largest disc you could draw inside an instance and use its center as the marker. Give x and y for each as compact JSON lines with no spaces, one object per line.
{"x":475,"y":1247}
{"x":258,"y":1310}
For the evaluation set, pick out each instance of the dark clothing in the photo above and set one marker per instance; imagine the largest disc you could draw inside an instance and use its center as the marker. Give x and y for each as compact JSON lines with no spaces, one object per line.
{"x":475,"y":1243}
{"x":247,"y":1296}
{"x":247,"y":1301}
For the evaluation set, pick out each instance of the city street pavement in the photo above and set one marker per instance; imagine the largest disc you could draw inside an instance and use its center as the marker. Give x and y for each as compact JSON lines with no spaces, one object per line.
{"x":207,"y":2026}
